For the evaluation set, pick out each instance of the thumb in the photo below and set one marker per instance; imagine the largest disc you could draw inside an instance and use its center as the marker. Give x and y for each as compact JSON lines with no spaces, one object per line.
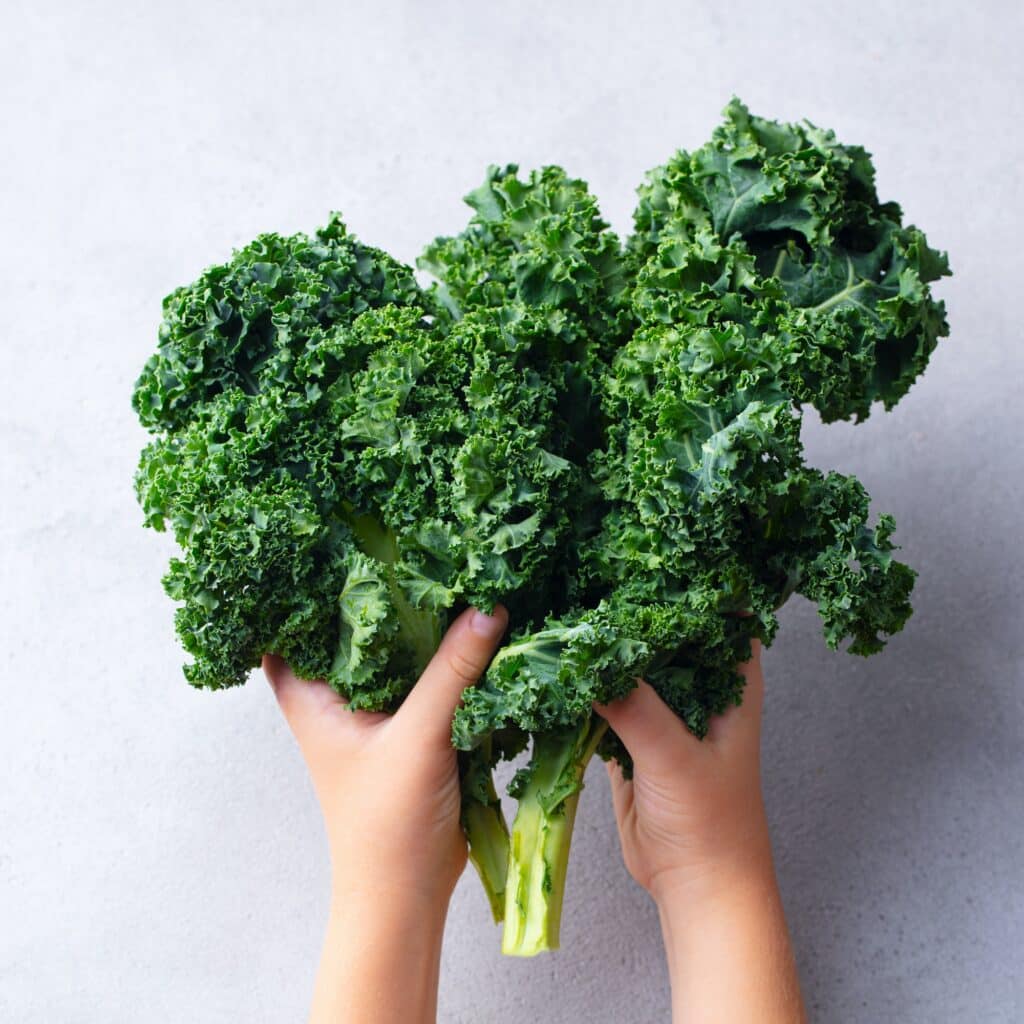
{"x":649,"y":728}
{"x":459,"y":661}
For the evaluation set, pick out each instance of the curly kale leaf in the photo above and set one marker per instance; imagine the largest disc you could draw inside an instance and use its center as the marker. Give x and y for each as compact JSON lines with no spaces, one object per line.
{"x":800,"y":215}
{"x":550,"y":679}
{"x":539,"y":242}
{"x":341,"y":471}
{"x":763,"y":275}
{"x":243,"y":323}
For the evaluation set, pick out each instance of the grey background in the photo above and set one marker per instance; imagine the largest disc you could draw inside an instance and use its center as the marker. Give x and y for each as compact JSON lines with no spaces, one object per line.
{"x":161,"y":857}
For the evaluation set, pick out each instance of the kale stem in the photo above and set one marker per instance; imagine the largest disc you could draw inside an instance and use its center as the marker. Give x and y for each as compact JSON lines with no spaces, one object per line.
{"x":421,"y":627}
{"x":485,"y":827}
{"x":542,"y":834}
{"x":777,"y":269}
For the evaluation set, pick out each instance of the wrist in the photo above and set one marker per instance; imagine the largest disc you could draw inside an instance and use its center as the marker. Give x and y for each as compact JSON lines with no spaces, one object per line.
{"x":396,"y":873}
{"x":388,"y":903}
{"x":381,"y":956}
{"x":707,"y":879}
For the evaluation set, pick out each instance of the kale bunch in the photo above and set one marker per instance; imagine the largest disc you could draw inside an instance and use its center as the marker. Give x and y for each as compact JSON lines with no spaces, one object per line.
{"x":603,"y":435}
{"x":345,"y":465}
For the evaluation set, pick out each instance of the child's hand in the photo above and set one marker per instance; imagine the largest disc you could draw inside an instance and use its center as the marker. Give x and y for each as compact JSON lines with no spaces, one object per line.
{"x":388,"y":786}
{"x":693,"y":810}
{"x":694,"y":834}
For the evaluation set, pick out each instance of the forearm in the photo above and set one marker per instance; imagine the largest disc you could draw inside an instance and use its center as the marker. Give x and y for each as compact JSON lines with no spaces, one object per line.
{"x":729,"y":951}
{"x":380,"y":961}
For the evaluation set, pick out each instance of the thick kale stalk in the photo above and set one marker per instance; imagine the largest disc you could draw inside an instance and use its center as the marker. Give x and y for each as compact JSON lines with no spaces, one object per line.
{"x":548,"y":792}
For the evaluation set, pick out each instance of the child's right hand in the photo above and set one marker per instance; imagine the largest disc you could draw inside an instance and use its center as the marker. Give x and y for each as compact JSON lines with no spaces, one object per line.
{"x":693,"y":812}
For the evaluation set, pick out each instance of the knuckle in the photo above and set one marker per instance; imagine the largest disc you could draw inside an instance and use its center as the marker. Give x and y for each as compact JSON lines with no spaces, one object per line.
{"x":462,"y":666}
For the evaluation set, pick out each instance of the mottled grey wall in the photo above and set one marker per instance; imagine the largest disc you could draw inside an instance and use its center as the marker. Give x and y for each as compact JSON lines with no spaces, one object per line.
{"x":161,"y":858}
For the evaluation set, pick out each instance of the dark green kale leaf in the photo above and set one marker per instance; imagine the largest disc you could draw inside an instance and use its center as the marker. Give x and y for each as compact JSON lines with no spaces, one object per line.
{"x":801,"y":213}
{"x":539,"y":242}
{"x":341,"y":469}
{"x":243,"y":323}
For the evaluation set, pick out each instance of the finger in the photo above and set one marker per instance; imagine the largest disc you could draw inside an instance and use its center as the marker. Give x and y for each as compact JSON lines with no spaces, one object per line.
{"x":622,"y":791}
{"x":459,"y":661}
{"x":650,"y":729}
{"x":741,"y":725}
{"x":310,"y":707}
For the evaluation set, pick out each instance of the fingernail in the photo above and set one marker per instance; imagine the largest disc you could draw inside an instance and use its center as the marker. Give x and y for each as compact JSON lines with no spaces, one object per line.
{"x":485,"y":625}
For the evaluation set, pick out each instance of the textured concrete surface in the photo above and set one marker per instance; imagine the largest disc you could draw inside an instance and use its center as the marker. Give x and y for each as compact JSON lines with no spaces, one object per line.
{"x":161,"y":857}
